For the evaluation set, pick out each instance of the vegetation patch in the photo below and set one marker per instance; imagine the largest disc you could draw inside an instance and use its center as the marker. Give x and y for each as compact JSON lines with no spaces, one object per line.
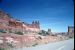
{"x":19,"y":33}
{"x":2,"y":49}
{"x":35,"y":44}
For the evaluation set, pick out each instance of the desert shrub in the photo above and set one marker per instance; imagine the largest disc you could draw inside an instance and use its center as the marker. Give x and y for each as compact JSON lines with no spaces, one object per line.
{"x":35,"y":44}
{"x":20,"y":33}
{"x":2,"y":31}
{"x":43,"y":33}
{"x":10,"y":45}
{"x":2,"y":49}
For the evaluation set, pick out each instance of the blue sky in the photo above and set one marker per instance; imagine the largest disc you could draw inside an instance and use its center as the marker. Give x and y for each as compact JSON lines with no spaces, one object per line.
{"x":54,"y":14}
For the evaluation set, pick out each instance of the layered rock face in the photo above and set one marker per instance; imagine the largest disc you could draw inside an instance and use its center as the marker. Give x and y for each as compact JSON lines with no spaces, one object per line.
{"x":12,"y":25}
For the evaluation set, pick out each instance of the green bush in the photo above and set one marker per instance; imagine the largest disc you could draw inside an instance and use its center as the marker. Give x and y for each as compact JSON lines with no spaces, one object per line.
{"x":34,"y":44}
{"x":40,"y":33}
{"x":2,"y":31}
{"x":10,"y":45}
{"x":43,"y":33}
{"x":2,"y":49}
{"x":20,"y":33}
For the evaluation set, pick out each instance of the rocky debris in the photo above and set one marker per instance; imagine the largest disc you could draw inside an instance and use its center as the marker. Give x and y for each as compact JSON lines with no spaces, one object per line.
{"x":15,"y":41}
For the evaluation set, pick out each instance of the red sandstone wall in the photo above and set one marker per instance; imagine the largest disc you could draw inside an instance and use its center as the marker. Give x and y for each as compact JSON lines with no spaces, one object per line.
{"x":14,"y":25}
